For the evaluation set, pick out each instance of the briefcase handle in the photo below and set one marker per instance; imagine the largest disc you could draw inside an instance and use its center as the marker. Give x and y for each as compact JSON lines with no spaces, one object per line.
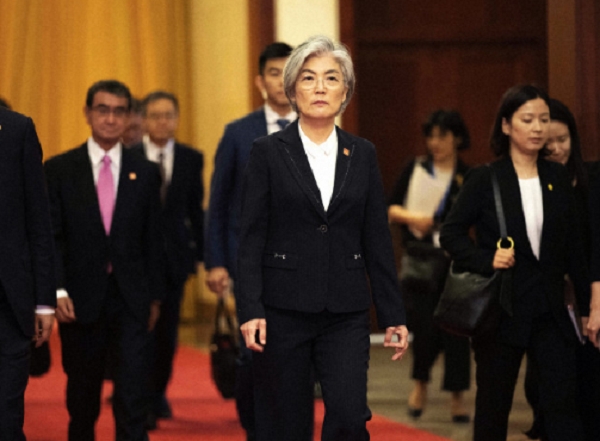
{"x":223,"y":317}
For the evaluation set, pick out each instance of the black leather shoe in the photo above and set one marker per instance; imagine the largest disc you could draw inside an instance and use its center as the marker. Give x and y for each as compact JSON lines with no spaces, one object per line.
{"x":461,"y":419}
{"x":163,"y":409}
{"x":414,"y":413}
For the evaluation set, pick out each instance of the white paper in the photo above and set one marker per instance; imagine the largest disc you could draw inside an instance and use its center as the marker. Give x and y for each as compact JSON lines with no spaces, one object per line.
{"x":425,"y":193}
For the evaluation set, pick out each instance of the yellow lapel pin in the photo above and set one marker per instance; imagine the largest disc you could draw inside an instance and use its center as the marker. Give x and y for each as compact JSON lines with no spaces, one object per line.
{"x":550,"y":187}
{"x":346,"y":152}
{"x":132,"y":176}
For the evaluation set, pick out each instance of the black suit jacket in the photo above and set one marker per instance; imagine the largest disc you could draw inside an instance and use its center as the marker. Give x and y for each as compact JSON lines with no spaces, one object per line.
{"x":295,"y":255}
{"x":182,"y":218}
{"x":27,"y":251}
{"x":83,"y":248}
{"x":223,"y":220}
{"x":538,"y":285}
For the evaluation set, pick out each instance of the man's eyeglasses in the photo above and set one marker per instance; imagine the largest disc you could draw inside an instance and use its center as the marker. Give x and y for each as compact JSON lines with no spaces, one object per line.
{"x":169,"y":116}
{"x":118,"y":112}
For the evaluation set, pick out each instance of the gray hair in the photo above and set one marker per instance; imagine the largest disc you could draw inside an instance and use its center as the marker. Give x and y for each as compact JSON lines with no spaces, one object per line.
{"x":317,"y":46}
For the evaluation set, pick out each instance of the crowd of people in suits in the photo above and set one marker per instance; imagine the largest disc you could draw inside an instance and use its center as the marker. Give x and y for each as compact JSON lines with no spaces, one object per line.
{"x":104,"y":236}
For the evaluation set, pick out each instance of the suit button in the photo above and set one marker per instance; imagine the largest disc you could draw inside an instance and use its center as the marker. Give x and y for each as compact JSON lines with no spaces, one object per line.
{"x":323,"y":228}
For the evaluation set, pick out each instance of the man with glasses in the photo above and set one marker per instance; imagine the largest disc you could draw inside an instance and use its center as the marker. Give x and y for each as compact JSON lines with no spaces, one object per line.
{"x":182,"y":220}
{"x":105,"y":213}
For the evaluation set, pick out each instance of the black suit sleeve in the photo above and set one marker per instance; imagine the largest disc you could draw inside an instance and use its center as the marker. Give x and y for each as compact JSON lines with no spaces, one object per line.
{"x":379,"y":254}
{"x":253,"y":234}
{"x":37,"y":217}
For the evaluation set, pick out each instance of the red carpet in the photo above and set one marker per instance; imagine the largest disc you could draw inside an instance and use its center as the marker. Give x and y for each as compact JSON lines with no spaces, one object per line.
{"x":200,"y":413}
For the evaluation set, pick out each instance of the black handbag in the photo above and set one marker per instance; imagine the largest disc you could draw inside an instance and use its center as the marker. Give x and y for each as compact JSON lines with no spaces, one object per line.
{"x":40,"y":359}
{"x":471,"y":304}
{"x":224,"y":351}
{"x":423,"y":267}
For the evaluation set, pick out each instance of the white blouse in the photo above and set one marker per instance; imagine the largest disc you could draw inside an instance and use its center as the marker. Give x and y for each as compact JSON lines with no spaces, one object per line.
{"x":533,"y":209}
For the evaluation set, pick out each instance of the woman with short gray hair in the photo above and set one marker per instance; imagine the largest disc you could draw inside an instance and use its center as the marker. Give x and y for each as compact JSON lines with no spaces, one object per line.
{"x":315,"y":247}
{"x":318,"y":46}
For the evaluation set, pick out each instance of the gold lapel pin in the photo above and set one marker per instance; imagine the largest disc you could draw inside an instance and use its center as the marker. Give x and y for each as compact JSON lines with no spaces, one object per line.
{"x":550,"y":187}
{"x":346,"y":152}
{"x":132,"y":176}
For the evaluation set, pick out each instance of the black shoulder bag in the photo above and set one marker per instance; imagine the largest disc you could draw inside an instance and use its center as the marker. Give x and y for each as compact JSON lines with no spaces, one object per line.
{"x":470,"y":304}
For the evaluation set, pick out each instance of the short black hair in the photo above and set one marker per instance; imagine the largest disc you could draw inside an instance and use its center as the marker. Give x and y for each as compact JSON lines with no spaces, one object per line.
{"x":448,"y":120}
{"x":272,"y":51}
{"x":511,"y":101}
{"x":4,"y":103}
{"x":159,"y":95}
{"x":575,"y":165}
{"x":113,"y":87}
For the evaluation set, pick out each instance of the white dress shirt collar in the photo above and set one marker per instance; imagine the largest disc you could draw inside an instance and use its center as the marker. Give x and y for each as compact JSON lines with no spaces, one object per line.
{"x":153,"y":151}
{"x":322,"y":159}
{"x":313,"y":149}
{"x":272,"y":117}
{"x":96,"y":153}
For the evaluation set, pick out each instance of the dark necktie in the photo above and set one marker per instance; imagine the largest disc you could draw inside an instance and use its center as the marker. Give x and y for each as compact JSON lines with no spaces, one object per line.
{"x":282,"y":123}
{"x":163,"y":178}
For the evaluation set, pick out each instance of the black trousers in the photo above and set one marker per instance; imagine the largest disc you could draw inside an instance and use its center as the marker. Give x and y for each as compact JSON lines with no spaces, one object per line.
{"x":497,"y":371}
{"x":244,"y":389}
{"x":165,"y":336}
{"x":429,"y":341}
{"x":14,"y":374}
{"x":84,"y":353}
{"x":337,"y":346}
{"x":588,"y":387}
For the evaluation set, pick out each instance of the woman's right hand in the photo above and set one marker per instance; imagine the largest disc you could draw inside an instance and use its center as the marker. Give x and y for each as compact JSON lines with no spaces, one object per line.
{"x":504,"y":258}
{"x":423,"y":224}
{"x":249,"y":331}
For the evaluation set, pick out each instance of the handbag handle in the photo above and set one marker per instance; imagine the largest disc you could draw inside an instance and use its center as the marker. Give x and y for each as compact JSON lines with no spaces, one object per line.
{"x":223,"y":313}
{"x":505,"y":275}
{"x":500,"y":212}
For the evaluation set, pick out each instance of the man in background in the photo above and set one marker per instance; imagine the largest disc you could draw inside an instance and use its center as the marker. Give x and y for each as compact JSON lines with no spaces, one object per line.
{"x":225,"y":199}
{"x":27,"y":278}
{"x":105,"y":214}
{"x":134,"y":132}
{"x":182,"y":223}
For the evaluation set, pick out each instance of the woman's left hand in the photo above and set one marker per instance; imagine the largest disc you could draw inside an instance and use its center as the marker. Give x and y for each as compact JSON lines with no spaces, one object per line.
{"x":401,"y":345}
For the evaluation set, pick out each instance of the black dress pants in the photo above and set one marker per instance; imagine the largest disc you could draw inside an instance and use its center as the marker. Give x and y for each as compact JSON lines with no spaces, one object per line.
{"x":15,"y":350}
{"x":497,"y":371}
{"x":337,"y":346}
{"x":429,"y":341}
{"x":165,"y":336}
{"x":588,"y":382}
{"x":84,"y":351}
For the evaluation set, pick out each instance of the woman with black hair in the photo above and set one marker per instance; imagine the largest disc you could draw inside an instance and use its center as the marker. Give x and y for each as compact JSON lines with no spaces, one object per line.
{"x":445,"y":134}
{"x":563,"y":146}
{"x":541,"y":218}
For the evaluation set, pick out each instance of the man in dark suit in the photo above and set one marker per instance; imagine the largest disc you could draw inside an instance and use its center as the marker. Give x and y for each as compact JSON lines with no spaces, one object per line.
{"x":105,"y":214}
{"x":27,"y":279}
{"x":182,"y":226}
{"x":225,"y":198}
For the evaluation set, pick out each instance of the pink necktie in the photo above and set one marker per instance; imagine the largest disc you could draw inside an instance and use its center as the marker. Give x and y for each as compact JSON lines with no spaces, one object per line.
{"x":106,"y":193}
